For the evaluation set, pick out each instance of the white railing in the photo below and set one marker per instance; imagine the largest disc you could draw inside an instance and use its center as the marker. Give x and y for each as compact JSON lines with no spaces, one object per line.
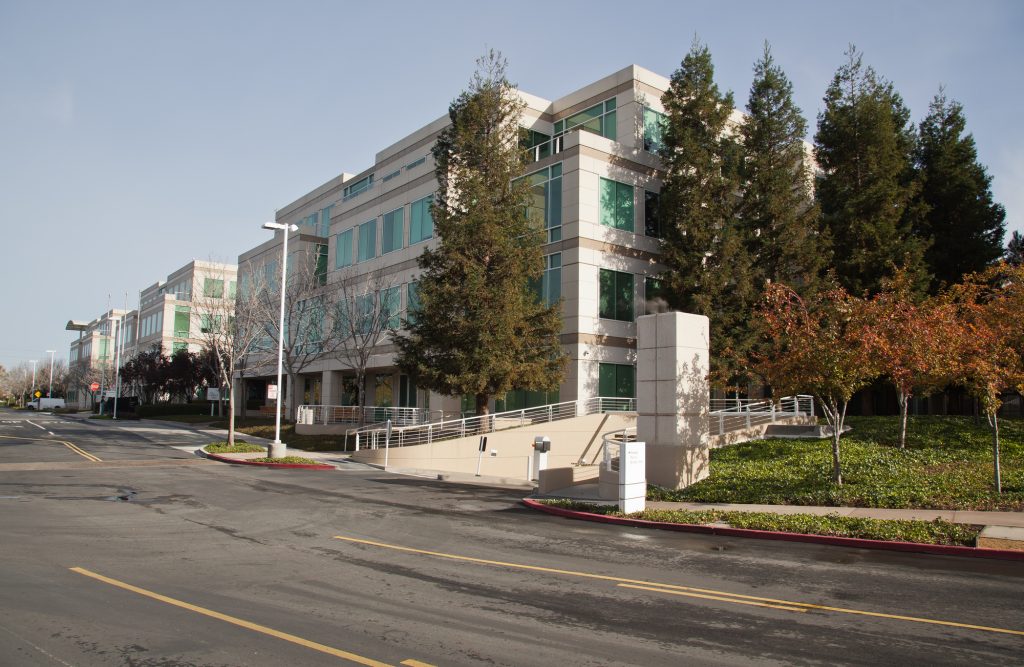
{"x":611,"y":446}
{"x":373,"y":437}
{"x":544,"y":149}
{"x":353,"y":414}
{"x":733,"y":414}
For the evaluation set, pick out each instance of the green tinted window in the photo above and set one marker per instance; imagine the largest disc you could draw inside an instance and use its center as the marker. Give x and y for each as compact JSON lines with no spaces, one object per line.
{"x":654,"y":129}
{"x":343,"y":249}
{"x":616,"y":381}
{"x":367,"y":240}
{"x":391,"y":237}
{"x":616,"y":298}
{"x":181,"y":321}
{"x":213,"y":287}
{"x":616,"y":205}
{"x":421,"y":224}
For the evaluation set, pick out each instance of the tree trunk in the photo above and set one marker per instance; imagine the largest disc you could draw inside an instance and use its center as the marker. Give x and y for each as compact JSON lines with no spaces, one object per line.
{"x":902,"y":398}
{"x":481,"y":404}
{"x":361,"y":397}
{"x":995,"y":453}
{"x":231,"y":427}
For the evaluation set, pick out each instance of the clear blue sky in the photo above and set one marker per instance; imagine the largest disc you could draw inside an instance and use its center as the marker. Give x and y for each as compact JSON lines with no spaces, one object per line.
{"x":136,"y":136}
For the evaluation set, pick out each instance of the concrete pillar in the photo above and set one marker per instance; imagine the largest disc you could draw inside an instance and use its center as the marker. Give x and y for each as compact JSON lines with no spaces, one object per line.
{"x":672,"y":397}
{"x":330,"y":388}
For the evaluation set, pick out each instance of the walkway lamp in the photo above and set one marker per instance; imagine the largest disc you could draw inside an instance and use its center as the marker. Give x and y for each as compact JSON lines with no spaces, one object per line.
{"x":49,"y":391}
{"x":278,"y":448}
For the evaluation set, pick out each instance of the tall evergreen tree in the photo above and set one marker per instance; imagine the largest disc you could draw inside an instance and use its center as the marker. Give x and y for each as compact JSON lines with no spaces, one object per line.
{"x":704,"y":248}
{"x":777,"y":208}
{"x":479,"y":328}
{"x":865,"y":147}
{"x":965,"y":224}
{"x":1015,"y":249}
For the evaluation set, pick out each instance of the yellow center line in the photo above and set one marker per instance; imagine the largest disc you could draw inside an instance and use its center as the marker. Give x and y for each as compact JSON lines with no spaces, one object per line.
{"x":75,"y":448}
{"x":658,"y":589}
{"x":78,"y":450}
{"x":329,"y":650}
{"x":672,"y":588}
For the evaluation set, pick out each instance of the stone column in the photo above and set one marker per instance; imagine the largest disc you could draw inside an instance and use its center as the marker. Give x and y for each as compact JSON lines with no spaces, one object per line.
{"x":672,"y":397}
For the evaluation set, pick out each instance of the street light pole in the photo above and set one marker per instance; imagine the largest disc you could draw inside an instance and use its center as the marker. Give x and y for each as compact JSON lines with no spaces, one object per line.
{"x":278,"y":448}
{"x":33,"y":362}
{"x":49,"y":391}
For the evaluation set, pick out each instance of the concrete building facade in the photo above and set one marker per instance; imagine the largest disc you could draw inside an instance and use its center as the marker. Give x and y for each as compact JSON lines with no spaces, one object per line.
{"x":595,"y":175}
{"x":172,"y":314}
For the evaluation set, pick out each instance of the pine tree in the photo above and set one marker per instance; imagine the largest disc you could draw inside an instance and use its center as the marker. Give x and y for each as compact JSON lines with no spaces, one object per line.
{"x":1014,"y":255}
{"x":966,"y":226}
{"x":777,"y":208}
{"x":479,"y":328}
{"x":864,"y":146}
{"x":704,"y":248}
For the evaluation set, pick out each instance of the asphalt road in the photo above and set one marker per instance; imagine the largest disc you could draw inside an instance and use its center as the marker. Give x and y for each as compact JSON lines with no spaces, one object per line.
{"x":151,"y":556}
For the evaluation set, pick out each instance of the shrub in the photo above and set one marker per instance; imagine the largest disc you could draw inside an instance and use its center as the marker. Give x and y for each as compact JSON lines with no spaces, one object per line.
{"x":163,"y":409}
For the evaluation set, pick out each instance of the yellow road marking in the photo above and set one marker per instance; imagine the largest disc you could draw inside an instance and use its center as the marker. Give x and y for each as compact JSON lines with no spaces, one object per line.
{"x":329,"y":650}
{"x":672,"y":588}
{"x":658,"y":589}
{"x":82,"y":452}
{"x":75,"y":448}
{"x":415,"y":663}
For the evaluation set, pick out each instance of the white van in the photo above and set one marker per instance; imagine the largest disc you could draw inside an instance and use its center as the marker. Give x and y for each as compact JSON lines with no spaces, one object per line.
{"x":45,"y":404}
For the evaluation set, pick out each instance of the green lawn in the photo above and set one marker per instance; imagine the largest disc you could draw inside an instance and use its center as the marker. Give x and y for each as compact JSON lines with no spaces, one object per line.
{"x":947,"y":465}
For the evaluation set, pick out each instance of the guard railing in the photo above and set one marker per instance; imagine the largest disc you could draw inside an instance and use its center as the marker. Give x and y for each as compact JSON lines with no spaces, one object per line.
{"x":733,"y":414}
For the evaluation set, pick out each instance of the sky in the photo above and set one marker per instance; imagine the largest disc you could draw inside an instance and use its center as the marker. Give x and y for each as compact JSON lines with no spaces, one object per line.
{"x":138,"y":136}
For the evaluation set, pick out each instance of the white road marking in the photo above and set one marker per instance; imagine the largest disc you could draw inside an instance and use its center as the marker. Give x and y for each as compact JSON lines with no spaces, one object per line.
{"x":36,"y":425}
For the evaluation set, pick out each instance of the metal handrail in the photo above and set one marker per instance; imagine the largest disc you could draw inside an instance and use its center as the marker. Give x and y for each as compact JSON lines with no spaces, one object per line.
{"x":353,"y":414}
{"x":735,"y":414}
{"x":611,"y":446}
{"x":373,"y":436}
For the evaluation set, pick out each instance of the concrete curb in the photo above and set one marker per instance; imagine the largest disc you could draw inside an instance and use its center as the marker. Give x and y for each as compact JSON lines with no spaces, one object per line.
{"x":300,"y":466}
{"x":853,"y":542}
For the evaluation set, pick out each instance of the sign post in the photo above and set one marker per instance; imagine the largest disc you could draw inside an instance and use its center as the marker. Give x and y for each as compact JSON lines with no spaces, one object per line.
{"x":387,"y":443}
{"x":480,"y":453}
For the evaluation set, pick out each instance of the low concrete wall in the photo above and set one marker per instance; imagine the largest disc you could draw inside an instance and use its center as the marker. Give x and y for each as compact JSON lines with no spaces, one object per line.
{"x":507,"y":451}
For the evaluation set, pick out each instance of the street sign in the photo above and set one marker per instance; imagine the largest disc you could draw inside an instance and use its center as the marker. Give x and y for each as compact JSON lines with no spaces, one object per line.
{"x":271,"y":391}
{"x":95,"y":386}
{"x":212,"y":394}
{"x":38,"y":393}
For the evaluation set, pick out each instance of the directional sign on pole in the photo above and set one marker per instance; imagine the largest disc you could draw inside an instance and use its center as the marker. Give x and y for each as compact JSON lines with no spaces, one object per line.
{"x":95,"y":386}
{"x":38,"y":393}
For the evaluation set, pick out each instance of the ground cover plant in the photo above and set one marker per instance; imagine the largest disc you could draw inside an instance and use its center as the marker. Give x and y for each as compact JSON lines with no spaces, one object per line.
{"x":287,"y":459}
{"x":920,"y":532}
{"x":240,"y":447}
{"x":947,"y":464}
{"x":264,"y":428}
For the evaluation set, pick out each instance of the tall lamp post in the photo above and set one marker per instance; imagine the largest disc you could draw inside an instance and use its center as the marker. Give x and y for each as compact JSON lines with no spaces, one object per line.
{"x":278,"y":448}
{"x":49,"y":391}
{"x":32,"y":390}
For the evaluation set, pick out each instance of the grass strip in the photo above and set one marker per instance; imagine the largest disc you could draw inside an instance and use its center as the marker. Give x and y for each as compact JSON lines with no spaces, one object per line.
{"x":241,"y":447}
{"x":889,"y":530}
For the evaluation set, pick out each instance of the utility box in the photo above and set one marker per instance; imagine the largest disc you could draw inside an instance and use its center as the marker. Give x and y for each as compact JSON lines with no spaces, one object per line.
{"x":632,"y":477}
{"x":541,"y":447}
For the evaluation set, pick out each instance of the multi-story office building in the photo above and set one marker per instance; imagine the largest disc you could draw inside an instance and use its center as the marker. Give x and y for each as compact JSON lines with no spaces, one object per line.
{"x":92,"y":357}
{"x":595,"y":176}
{"x":174,"y":313}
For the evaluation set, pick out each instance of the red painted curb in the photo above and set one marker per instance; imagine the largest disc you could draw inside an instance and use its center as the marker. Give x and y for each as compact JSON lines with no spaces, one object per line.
{"x":301,"y":466}
{"x":855,"y":542}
